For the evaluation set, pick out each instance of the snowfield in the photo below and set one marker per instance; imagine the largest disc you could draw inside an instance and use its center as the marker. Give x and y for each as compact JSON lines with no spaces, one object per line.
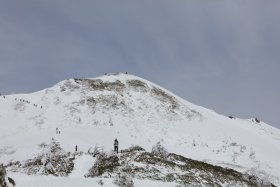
{"x":47,"y":181}
{"x":93,"y":112}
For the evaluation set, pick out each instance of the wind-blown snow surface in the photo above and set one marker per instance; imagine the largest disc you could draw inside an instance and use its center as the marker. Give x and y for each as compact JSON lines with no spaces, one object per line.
{"x":90,"y":112}
{"x":47,"y":181}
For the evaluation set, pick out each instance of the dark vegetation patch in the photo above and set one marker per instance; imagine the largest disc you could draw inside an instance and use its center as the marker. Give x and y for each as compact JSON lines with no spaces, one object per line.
{"x":137,"y":85}
{"x":104,"y":164}
{"x":98,"y":84}
{"x":133,"y":149}
{"x":107,"y":101}
{"x":91,"y":101}
{"x":138,"y":163}
{"x":68,"y":85}
{"x":164,"y":97}
{"x":12,"y":181}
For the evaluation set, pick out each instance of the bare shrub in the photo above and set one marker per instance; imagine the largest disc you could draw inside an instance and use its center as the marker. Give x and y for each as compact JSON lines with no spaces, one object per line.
{"x":96,"y":151}
{"x":133,"y":148}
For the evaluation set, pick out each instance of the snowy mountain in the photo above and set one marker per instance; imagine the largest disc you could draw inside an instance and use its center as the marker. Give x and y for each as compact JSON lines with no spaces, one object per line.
{"x":93,"y":112}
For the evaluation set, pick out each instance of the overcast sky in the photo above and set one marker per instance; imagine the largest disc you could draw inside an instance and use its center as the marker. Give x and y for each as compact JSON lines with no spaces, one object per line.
{"x":223,"y":55}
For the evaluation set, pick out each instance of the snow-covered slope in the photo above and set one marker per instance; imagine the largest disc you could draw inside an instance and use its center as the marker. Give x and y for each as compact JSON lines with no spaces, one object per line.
{"x":89,"y":112}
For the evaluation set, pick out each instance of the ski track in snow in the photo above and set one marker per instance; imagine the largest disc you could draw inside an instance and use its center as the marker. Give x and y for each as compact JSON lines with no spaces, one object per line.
{"x":82,"y":165}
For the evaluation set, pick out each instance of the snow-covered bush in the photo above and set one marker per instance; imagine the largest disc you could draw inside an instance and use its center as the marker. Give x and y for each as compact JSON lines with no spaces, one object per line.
{"x":104,"y":164}
{"x":52,"y":161}
{"x":54,"y":147}
{"x":259,"y":177}
{"x":159,"y":150}
{"x":123,"y":180}
{"x":96,"y":151}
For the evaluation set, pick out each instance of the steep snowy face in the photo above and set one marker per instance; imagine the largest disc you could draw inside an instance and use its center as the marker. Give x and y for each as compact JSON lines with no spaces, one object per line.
{"x":109,"y":99}
{"x":95,"y":111}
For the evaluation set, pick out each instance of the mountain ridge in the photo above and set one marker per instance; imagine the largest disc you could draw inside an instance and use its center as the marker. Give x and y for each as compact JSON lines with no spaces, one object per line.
{"x":94,"y":111}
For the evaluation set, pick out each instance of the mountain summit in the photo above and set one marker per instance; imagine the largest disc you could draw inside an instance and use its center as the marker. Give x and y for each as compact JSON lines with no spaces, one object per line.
{"x":87,"y":112}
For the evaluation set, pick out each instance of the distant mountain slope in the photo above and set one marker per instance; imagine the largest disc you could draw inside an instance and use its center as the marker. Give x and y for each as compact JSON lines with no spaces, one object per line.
{"x":95,"y":111}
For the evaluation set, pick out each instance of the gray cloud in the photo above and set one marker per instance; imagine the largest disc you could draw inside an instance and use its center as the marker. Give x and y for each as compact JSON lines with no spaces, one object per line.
{"x":222,"y":55}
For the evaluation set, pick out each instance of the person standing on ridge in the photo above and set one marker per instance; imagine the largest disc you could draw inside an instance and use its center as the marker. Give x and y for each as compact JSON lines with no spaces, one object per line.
{"x":116,"y":146}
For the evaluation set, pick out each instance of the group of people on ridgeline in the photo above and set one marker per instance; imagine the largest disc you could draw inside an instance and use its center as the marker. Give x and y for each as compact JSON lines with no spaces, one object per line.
{"x":24,"y":101}
{"x":109,"y":73}
{"x":28,"y":102}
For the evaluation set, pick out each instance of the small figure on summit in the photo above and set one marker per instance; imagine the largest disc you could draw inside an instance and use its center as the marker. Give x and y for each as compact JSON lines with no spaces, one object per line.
{"x":116,"y":146}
